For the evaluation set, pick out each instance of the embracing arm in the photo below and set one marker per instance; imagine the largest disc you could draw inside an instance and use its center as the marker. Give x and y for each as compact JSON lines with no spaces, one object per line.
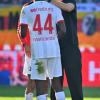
{"x":61,"y":29}
{"x":65,"y":6}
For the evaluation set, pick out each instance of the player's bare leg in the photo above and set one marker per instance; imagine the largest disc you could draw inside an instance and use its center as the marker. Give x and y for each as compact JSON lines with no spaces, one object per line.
{"x":41,"y":89}
{"x":30,"y":86}
{"x":29,"y":89}
{"x":56,"y":85}
{"x":31,"y":83}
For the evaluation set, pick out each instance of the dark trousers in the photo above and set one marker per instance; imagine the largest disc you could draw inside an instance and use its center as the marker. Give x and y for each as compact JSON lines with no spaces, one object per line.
{"x":71,"y":62}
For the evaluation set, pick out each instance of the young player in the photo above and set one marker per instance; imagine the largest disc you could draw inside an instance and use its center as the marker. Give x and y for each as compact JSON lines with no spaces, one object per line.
{"x":41,"y":19}
{"x":27,"y":64}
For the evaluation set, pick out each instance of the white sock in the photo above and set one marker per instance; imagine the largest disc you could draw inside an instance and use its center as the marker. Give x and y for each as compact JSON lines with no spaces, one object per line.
{"x":60,"y":95}
{"x":29,"y":96}
{"x":42,"y":97}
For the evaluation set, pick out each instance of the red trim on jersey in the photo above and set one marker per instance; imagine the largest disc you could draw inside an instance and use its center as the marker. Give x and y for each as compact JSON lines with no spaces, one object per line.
{"x":60,"y":21}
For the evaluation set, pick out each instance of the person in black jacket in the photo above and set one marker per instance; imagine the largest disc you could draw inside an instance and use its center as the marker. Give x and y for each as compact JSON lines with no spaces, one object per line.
{"x":70,"y":53}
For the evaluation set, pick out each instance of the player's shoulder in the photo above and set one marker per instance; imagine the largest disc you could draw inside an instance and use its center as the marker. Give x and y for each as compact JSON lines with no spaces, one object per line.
{"x":27,"y":4}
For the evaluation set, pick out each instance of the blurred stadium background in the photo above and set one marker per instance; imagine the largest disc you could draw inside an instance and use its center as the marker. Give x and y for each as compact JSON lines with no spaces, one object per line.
{"x":12,"y":82}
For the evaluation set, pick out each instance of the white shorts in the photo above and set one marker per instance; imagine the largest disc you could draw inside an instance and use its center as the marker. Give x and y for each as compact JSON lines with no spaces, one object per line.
{"x":52,"y":68}
{"x":27,"y":66}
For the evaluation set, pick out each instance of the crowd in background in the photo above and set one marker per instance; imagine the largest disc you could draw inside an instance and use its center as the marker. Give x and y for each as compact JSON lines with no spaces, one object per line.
{"x":20,"y":2}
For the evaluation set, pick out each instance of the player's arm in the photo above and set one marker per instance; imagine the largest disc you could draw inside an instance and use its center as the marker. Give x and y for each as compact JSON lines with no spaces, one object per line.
{"x":23,"y":30}
{"x":23,"y":40}
{"x":60,"y":24}
{"x":26,"y":40}
{"x":19,"y":34}
{"x":65,"y":6}
{"x":61,"y":29}
{"x":27,"y":50}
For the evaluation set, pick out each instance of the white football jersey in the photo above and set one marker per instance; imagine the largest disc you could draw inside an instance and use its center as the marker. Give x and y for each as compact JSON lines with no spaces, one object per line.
{"x":41,"y":18}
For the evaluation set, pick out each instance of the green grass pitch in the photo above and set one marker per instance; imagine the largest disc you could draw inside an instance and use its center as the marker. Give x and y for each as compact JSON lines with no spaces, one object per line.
{"x":17,"y":93}
{"x":22,"y":98}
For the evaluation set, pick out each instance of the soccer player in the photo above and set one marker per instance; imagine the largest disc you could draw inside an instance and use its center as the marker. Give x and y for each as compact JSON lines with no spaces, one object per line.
{"x":41,"y":19}
{"x":70,"y":54}
{"x":27,"y":64}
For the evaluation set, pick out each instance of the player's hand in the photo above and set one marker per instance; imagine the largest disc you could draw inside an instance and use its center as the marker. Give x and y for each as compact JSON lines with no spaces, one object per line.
{"x":27,"y":50}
